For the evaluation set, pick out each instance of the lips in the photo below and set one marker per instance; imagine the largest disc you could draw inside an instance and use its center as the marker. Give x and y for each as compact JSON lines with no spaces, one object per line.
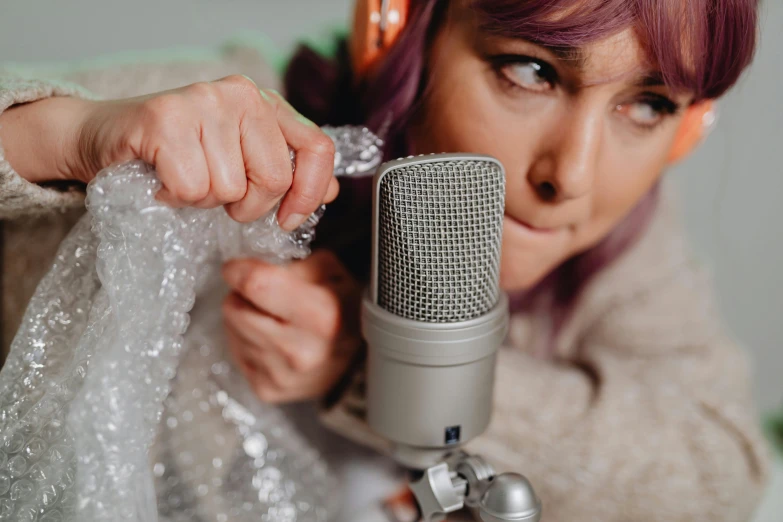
{"x":534,"y":228}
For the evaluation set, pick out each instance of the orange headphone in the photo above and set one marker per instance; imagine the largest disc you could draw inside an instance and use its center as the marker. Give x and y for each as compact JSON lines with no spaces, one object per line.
{"x":378,"y":23}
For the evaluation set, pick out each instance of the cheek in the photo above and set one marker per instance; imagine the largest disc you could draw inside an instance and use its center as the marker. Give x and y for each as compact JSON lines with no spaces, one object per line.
{"x":619,"y":186}
{"x":461,"y":115}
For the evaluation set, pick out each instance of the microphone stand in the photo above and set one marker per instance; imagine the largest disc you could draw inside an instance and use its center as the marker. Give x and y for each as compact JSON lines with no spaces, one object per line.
{"x":461,"y":480}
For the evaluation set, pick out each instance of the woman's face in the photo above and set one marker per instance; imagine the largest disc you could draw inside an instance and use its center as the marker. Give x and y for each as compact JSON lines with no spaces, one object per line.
{"x":583,"y":135}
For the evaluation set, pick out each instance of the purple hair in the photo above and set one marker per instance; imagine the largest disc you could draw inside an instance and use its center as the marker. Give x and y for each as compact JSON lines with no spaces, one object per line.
{"x":701,"y":46}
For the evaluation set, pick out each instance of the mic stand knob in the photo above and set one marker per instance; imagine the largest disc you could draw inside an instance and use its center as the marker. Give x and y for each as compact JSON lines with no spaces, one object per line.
{"x":438,"y":492}
{"x":467,"y":480}
{"x":509,"y":497}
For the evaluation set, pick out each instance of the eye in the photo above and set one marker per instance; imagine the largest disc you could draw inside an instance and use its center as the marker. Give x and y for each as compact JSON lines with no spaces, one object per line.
{"x":648,"y":112}
{"x":530,"y":76}
{"x":526,"y":72}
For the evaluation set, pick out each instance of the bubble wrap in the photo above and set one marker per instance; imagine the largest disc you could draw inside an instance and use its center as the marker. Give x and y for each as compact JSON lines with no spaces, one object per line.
{"x":118,"y":401}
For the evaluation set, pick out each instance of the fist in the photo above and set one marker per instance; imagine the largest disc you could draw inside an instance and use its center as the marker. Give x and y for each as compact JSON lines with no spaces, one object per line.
{"x":215,"y":143}
{"x":292,"y":330}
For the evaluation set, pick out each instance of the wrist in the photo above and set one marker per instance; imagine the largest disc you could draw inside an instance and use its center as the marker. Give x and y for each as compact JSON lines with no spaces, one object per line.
{"x":41,"y":138}
{"x":346,"y":380}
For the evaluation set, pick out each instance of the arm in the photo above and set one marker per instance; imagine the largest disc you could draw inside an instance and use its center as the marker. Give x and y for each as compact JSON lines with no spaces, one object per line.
{"x":650,"y":420}
{"x":32,"y":137}
{"x":33,"y":134}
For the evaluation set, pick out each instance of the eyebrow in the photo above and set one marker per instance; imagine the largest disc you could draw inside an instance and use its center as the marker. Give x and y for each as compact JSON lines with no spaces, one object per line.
{"x":572,"y":55}
{"x":575,"y":57}
{"x":651,"y":79}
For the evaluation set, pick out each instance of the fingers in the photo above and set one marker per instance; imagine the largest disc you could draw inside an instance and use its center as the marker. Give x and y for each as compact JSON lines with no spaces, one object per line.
{"x":221,"y":144}
{"x":275,"y":381}
{"x":266,"y":159}
{"x":322,"y":266}
{"x":268,"y":125}
{"x":257,"y":376}
{"x":284,"y":324}
{"x":227,"y":143}
{"x":268,"y":339}
{"x":314,"y":163}
{"x":332,"y":191}
{"x":183,"y":171}
{"x":285,"y":295}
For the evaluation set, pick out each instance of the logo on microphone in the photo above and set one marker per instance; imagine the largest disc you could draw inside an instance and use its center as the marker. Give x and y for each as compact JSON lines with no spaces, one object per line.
{"x":452,"y":435}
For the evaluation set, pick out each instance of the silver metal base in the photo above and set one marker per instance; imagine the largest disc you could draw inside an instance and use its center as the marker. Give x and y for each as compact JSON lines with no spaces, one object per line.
{"x":464,"y":480}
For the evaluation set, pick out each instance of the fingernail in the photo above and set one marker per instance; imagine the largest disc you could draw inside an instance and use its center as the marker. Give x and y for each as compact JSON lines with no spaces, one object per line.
{"x":293,"y":221}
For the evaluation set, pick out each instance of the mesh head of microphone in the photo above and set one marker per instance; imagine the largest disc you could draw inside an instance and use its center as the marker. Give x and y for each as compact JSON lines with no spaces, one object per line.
{"x":440,"y":224}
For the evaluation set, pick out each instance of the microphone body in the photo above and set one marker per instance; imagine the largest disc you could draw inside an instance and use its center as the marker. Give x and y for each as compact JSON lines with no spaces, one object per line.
{"x":434,"y":316}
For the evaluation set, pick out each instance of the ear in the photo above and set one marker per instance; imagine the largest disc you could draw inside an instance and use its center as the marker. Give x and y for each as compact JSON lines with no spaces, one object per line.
{"x":694,"y":128}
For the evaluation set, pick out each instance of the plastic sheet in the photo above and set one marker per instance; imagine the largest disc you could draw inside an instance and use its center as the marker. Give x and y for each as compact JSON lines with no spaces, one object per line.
{"x":118,"y":401}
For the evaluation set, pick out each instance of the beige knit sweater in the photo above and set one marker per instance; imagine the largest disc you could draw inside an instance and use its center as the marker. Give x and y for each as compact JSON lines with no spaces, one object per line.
{"x":645,"y":414}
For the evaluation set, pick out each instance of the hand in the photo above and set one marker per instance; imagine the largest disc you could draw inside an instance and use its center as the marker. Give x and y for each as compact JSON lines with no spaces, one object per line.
{"x":293,"y":330}
{"x":214,"y":143}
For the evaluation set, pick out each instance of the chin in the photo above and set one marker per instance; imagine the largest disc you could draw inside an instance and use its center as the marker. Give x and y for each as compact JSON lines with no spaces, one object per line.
{"x":516,"y":275}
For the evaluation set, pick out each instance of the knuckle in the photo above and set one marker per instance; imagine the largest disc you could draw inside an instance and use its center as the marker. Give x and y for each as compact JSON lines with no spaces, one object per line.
{"x":300,"y":362}
{"x":205,"y":93}
{"x":318,"y":357}
{"x":276,"y":181}
{"x":308,"y":199}
{"x":235,"y":192}
{"x":258,"y":281}
{"x":271,"y":95}
{"x":160,"y":111}
{"x":230,"y":191}
{"x":241,"y":84}
{"x":192,"y":190}
{"x":322,"y":145}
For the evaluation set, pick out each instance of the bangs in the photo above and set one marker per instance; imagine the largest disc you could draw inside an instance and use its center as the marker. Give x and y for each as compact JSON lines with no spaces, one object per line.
{"x":699,"y":46}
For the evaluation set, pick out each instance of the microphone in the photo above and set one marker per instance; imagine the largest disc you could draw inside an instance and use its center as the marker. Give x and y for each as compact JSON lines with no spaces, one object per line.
{"x":434,"y":319}
{"x":434,"y":316}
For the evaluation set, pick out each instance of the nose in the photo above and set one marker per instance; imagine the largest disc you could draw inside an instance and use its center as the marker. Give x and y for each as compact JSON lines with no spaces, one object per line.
{"x":566,"y":165}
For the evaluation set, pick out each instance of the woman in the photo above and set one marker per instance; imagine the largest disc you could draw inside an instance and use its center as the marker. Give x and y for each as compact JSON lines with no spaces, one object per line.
{"x":619,"y":394}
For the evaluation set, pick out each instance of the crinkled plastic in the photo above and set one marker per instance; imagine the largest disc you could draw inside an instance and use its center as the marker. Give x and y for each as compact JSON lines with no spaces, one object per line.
{"x":118,"y":401}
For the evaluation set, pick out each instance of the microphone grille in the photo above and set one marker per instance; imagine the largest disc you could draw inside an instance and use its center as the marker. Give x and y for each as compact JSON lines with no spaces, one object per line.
{"x":440,"y":224}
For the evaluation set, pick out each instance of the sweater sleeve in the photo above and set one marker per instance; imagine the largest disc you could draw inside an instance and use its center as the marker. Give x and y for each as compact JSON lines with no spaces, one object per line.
{"x":649,"y":420}
{"x":113,"y":78}
{"x":17,"y":195}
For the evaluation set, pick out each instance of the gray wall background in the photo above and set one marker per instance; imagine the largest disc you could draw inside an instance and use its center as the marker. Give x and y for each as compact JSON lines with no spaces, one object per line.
{"x":732,"y":188}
